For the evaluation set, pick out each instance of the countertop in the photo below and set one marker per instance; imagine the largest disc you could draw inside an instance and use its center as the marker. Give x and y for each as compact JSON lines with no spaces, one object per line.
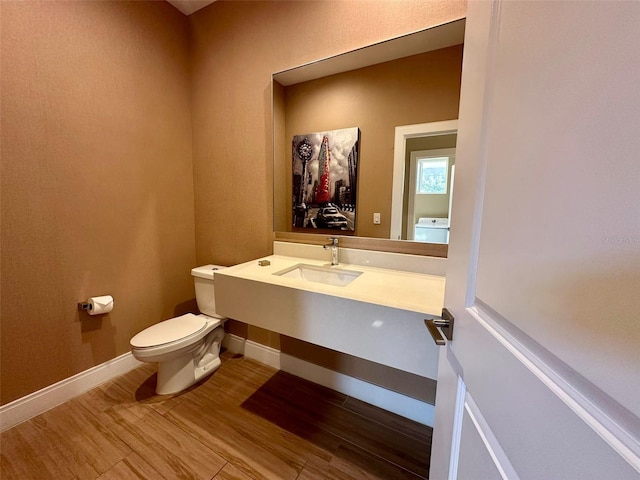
{"x":414,"y":292}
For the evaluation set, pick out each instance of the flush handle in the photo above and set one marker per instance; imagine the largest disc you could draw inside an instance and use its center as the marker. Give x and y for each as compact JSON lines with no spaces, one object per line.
{"x":445,"y":324}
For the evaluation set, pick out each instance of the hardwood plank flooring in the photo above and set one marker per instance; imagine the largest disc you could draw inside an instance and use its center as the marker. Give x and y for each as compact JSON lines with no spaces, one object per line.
{"x":246,"y":421}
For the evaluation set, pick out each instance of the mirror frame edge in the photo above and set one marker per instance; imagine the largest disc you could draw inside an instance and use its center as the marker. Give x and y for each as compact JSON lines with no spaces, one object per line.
{"x":368,"y":243}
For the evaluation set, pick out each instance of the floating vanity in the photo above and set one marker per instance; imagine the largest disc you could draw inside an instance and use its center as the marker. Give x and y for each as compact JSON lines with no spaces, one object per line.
{"x":369,"y":312}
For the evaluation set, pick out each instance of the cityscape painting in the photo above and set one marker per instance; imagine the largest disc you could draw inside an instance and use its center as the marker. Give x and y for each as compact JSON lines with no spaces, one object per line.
{"x":325,"y":166}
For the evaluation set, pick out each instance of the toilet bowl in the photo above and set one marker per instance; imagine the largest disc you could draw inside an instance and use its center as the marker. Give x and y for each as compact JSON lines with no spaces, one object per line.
{"x":187,"y":347}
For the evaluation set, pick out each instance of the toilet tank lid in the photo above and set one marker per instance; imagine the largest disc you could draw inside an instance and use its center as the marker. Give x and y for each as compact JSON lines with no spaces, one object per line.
{"x":206,"y":271}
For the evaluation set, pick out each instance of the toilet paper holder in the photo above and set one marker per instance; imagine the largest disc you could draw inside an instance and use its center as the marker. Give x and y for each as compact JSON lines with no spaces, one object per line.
{"x":84,"y":306}
{"x":97,"y":305}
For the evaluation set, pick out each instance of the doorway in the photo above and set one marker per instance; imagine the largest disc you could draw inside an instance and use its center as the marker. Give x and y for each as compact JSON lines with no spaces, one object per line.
{"x":419,"y":137}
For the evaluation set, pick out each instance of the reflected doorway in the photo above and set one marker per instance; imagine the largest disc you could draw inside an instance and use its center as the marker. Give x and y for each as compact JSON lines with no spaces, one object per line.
{"x":428,"y":198}
{"x":423,"y":173}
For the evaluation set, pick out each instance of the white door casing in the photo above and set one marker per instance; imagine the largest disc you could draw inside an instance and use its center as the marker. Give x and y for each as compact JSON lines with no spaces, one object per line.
{"x":542,"y":378}
{"x":402,"y":134}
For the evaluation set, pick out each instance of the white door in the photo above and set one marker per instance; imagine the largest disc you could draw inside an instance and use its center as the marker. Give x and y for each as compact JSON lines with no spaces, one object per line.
{"x":542,"y":378}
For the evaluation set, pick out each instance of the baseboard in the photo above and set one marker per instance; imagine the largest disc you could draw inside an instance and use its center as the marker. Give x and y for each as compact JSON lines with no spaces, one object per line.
{"x":35,"y":403}
{"x":263,"y":354}
{"x":394,"y":402}
{"x":233,"y":343}
{"x":250,"y":349}
{"x":397,"y":403}
{"x":29,"y":406}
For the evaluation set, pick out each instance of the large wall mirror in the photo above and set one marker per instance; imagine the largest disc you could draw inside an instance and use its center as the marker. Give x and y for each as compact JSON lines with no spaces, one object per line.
{"x":350,"y":134}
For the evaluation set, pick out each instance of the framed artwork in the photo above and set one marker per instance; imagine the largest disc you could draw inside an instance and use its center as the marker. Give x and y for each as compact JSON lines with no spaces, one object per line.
{"x":325,"y":177}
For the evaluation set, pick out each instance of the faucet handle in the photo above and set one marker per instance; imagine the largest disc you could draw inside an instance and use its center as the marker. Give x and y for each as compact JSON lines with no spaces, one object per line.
{"x":334,"y":241}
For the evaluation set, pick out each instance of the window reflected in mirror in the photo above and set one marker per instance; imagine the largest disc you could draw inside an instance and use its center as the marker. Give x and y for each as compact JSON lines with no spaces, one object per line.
{"x":432,"y":175}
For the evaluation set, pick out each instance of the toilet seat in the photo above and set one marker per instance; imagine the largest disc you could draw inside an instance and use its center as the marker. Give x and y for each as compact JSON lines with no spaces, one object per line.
{"x":169,"y":331}
{"x":186,"y":348}
{"x":169,"y":339}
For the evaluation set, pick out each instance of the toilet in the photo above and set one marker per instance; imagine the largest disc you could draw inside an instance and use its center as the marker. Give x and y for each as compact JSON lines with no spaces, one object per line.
{"x":187,"y":347}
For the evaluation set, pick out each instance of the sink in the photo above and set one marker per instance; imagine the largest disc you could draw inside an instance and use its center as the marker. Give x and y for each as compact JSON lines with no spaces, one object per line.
{"x":326,"y":275}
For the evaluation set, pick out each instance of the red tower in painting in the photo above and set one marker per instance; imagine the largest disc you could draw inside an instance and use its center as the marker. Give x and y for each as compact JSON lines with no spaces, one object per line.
{"x":323,"y":191}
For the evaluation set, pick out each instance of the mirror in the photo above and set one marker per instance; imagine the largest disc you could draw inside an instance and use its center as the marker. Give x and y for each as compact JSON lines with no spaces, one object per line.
{"x":410,"y":80}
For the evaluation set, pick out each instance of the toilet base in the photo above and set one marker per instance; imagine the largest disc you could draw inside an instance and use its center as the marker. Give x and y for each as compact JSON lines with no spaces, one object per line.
{"x":179,"y":374}
{"x":182,"y":372}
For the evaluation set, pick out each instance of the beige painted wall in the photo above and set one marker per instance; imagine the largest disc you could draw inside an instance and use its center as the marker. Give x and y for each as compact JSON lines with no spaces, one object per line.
{"x":417,"y":89}
{"x":406,"y":383}
{"x":97,"y":181}
{"x":236,"y":46}
{"x":100,"y":164}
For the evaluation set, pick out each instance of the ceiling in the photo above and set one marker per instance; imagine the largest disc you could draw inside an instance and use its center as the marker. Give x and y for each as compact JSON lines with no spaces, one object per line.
{"x":189,"y":6}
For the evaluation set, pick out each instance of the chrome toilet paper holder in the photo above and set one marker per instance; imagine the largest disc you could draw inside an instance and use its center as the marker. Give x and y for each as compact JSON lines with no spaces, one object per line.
{"x":97,"y":305}
{"x":84,"y":306}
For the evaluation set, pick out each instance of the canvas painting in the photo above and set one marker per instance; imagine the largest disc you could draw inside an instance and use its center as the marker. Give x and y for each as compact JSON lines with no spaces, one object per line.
{"x":325,"y":167}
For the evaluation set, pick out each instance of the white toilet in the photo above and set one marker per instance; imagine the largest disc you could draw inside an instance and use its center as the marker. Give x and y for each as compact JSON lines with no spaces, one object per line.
{"x":186,"y":348}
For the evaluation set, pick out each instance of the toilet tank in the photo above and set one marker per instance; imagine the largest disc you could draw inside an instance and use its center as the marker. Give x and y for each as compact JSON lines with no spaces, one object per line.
{"x":203,"y":279}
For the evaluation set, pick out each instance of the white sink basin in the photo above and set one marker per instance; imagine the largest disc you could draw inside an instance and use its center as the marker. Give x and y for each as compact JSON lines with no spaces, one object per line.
{"x":326,"y":275}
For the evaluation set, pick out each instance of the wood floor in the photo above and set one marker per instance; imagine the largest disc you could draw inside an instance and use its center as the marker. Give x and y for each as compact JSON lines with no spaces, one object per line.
{"x":245,"y":421}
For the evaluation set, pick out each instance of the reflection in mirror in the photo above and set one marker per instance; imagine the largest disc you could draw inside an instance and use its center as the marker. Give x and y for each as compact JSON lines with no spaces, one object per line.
{"x":417,"y":214}
{"x":428,"y":200}
{"x":374,"y":93}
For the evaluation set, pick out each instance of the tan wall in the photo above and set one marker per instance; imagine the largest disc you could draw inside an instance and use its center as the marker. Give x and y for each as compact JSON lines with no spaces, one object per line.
{"x":97,"y":189}
{"x":406,"y":383}
{"x":418,"y":89}
{"x":236,"y":47}
{"x":97,"y":146}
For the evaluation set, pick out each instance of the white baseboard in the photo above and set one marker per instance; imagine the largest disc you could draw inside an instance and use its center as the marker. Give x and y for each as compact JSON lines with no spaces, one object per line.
{"x":35,"y":403}
{"x":263,"y":354}
{"x":397,"y":403}
{"x":29,"y":406}
{"x":250,"y":349}
{"x":394,"y":402}
{"x":233,"y":343}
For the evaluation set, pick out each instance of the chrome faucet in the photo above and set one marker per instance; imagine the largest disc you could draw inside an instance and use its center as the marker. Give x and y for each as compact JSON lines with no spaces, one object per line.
{"x":335,"y":260}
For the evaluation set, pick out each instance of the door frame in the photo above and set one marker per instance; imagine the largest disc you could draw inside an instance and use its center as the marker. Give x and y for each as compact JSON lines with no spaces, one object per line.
{"x":413,"y":170}
{"x":402,"y":134}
